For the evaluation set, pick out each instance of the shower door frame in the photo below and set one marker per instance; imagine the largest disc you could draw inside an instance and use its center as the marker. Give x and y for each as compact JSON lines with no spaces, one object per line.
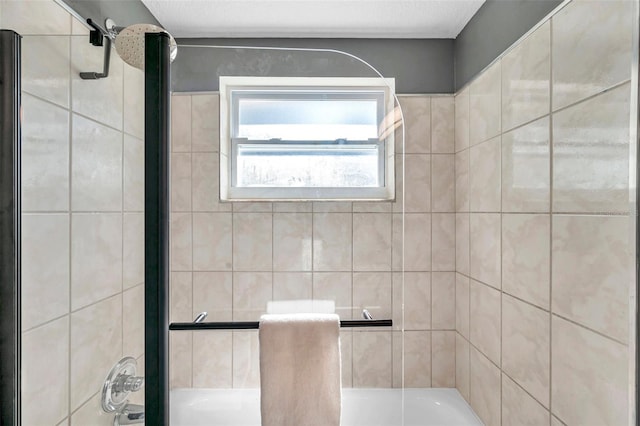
{"x":10,"y":224}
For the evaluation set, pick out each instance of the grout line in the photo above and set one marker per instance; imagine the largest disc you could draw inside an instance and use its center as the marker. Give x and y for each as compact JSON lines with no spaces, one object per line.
{"x":550,"y":248}
{"x":70,"y":222}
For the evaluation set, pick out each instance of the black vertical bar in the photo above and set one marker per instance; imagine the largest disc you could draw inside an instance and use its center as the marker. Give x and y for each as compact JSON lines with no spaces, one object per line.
{"x":9,"y":228}
{"x":156,"y":228}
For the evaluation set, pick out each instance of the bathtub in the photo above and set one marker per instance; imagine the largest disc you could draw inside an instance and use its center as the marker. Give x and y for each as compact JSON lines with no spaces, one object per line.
{"x":360,"y":407}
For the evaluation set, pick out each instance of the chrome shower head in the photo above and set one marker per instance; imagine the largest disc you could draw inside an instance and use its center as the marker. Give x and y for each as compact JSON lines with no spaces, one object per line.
{"x":129,"y":43}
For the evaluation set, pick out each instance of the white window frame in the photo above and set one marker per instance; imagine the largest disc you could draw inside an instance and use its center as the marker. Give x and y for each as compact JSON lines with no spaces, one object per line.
{"x":230,"y":192}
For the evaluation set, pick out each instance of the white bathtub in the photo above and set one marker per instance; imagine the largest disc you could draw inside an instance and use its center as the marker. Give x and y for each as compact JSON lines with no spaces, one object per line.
{"x":360,"y":407}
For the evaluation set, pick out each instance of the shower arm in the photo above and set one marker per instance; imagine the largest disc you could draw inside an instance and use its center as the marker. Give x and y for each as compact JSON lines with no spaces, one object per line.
{"x":98,"y":37}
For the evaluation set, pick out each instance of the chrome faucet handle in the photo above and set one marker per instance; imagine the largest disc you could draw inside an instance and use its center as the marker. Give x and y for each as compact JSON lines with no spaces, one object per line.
{"x":366,"y":315}
{"x":130,"y":414}
{"x":201,"y":317}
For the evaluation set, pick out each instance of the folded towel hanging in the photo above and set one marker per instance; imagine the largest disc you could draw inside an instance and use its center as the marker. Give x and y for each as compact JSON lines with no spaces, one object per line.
{"x":300,"y":370}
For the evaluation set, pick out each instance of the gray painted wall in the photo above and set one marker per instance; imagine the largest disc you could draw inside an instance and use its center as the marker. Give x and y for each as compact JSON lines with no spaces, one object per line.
{"x":496,"y":26}
{"x":419,"y":66}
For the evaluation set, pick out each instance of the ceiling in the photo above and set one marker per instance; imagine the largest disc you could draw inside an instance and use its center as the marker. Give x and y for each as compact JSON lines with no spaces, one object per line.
{"x":314,"y":18}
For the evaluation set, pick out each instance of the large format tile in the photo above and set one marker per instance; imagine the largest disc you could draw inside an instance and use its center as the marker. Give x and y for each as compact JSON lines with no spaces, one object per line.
{"x":45,"y":268}
{"x":443,"y":183}
{"x":443,"y":359}
{"x":96,"y":166}
{"x":92,"y":413}
{"x":372,"y":291}
{"x":484,"y":243}
{"x":518,"y":408}
{"x":461,"y":120}
{"x":45,"y":156}
{"x":181,"y":252}
{"x":44,"y":17}
{"x":292,"y":286}
{"x":205,"y":183}
{"x":484,"y":176}
{"x":526,"y":258}
{"x":462,"y":305}
{"x":526,"y":163}
{"x":45,"y":68}
{"x":181,"y":182}
{"x":462,"y":366}
{"x":443,"y":300}
{"x":181,"y":296}
{"x":252,"y":241}
{"x":332,"y":245}
{"x":96,"y":339}
{"x":443,"y":240}
{"x":372,"y":241}
{"x":591,"y":48}
{"x":134,"y":101}
{"x":485,"y":319}
{"x":45,"y":373}
{"x":133,"y":249}
{"x":180,"y":359}
{"x":462,"y":181}
{"x":591,"y":266}
{"x":213,"y":293}
{"x":417,"y":179}
{"x":416,"y":350}
{"x":292,"y":241}
{"x":417,"y":242}
{"x":525,"y":347}
{"x":212,"y":242}
{"x":181,"y":123}
{"x":526,"y":72}
{"x":417,"y":300}
{"x":462,"y":243}
{"x":101,"y":100}
{"x":213,"y":359}
{"x":251,"y":292}
{"x":484,"y":105}
{"x":442,"y":124}
{"x":591,"y":154}
{"x":133,"y":184}
{"x":484,"y":388}
{"x":589,"y":379}
{"x":96,"y":257}
{"x":133,"y":322}
{"x":246,"y":366}
{"x":335,"y":286}
{"x":372,"y":359}
{"x":205,"y":123}
{"x":417,"y":121}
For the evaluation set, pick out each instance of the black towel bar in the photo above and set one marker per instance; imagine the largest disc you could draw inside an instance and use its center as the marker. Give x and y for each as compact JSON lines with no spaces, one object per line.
{"x":250,"y":325}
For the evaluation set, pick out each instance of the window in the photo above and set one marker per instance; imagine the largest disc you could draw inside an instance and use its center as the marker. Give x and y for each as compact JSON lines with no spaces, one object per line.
{"x":305,"y":139}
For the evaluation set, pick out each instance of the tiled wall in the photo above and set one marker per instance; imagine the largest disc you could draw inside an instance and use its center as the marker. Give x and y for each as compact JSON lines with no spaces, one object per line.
{"x":231,"y":259}
{"x":82,"y":242}
{"x":543,"y":255}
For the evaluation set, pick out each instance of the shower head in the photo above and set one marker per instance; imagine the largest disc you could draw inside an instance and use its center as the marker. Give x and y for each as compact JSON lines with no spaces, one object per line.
{"x":129,"y":43}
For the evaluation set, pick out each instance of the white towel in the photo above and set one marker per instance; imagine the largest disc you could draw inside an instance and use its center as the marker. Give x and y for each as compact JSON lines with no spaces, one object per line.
{"x":300,"y":370}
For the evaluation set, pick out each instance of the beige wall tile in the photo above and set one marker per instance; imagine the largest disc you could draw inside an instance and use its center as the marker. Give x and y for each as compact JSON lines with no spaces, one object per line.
{"x":91,"y":413}
{"x":181,"y":123}
{"x":293,"y":207}
{"x":484,"y":243}
{"x":246,"y":366}
{"x":45,"y":268}
{"x":592,"y":294}
{"x":212,"y":242}
{"x":45,"y":67}
{"x":133,"y":174}
{"x":101,"y":100}
{"x":332,"y":206}
{"x":45,"y":367}
{"x":525,"y":79}
{"x":462,"y":180}
{"x":292,"y":286}
{"x":526,"y":257}
{"x":133,"y":249}
{"x":519,"y":408}
{"x":346,"y":357}
{"x":180,"y":359}
{"x":292,"y":242}
{"x":181,"y":182}
{"x":251,"y":292}
{"x":397,"y":241}
{"x":591,"y":47}
{"x":205,"y":110}
{"x":484,"y":176}
{"x":484,"y":105}
{"x":397,"y":347}
{"x":443,"y":240}
{"x":462,"y":305}
{"x":372,"y":359}
{"x":442,"y":124}
{"x":417,"y":121}
{"x":443,"y":300}
{"x":372,"y":291}
{"x":96,"y":257}
{"x":332,"y":245}
{"x":462,"y":366}
{"x":212,"y":358}
{"x":96,"y":339}
{"x":397,"y":299}
{"x":134,"y":101}
{"x":462,"y":120}
{"x":334,"y":286}
{"x":484,"y":388}
{"x":417,"y":300}
{"x":443,"y":359}
{"x":462,"y":242}
{"x":443,"y":183}
{"x":35,"y":18}
{"x":417,"y":359}
{"x":257,"y":207}
{"x":526,"y":168}
{"x":591,"y":154}
{"x":417,"y":242}
{"x":45,"y":156}
{"x":589,"y":376}
{"x":181,"y":242}
{"x":213,"y":293}
{"x":181,"y":297}
{"x":417,"y":183}
{"x":372,"y":242}
{"x":485,"y":320}
{"x":526,"y":338}
{"x":205,"y":185}
{"x":133,"y":322}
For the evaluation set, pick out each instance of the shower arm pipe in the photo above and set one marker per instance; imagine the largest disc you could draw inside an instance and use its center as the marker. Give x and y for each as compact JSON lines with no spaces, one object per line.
{"x":99,"y":37}
{"x":254,"y":325}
